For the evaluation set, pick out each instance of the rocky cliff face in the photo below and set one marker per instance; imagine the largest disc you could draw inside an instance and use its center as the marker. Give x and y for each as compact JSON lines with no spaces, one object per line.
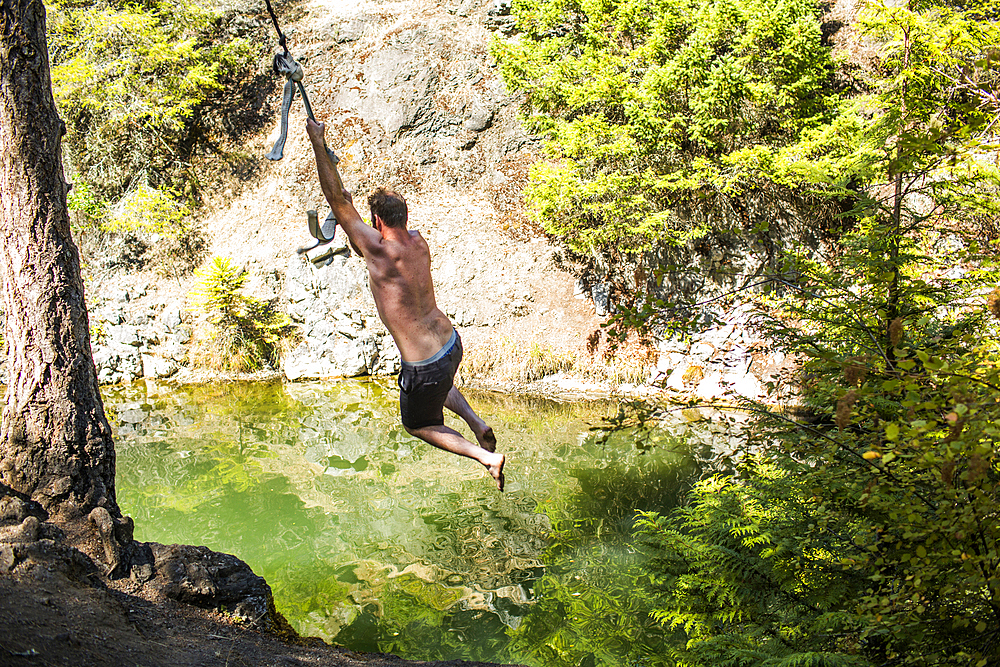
{"x":411,"y":99}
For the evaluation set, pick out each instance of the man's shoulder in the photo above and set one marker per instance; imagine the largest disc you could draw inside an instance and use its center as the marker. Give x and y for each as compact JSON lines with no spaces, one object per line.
{"x":403,"y":250}
{"x":414,"y":242}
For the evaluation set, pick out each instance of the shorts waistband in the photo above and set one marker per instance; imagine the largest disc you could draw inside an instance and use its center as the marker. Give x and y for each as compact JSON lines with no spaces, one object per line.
{"x":440,"y":354}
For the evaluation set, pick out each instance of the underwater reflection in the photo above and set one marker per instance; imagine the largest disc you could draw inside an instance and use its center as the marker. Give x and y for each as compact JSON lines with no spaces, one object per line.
{"x":376,"y":541}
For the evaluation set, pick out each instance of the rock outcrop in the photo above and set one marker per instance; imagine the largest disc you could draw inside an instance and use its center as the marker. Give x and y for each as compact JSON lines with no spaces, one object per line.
{"x":101,"y":548}
{"x":341,"y":332}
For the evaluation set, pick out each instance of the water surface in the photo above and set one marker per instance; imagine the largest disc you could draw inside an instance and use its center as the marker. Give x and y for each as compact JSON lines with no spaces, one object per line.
{"x":376,"y":541}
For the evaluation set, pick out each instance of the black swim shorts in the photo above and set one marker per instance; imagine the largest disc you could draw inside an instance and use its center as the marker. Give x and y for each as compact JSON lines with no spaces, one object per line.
{"x":424,"y":385}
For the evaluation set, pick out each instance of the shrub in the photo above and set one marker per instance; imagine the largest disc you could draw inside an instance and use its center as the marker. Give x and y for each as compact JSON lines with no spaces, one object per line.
{"x":651,"y":108}
{"x":870,"y":534}
{"x":246,"y":334}
{"x":746,"y":574}
{"x":140,"y":87}
{"x":86,"y":209}
{"x":147,"y":209}
{"x":151,"y":225}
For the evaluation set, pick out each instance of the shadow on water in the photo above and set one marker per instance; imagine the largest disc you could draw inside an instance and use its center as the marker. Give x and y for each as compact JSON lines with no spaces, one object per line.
{"x":375,"y":541}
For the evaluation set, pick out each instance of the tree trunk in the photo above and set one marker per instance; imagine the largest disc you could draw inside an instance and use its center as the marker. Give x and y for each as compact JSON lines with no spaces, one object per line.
{"x":55,"y":441}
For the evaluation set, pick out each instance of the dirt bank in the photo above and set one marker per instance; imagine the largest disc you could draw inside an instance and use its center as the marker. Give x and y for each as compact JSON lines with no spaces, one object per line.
{"x":56,"y":608}
{"x":56,"y":621}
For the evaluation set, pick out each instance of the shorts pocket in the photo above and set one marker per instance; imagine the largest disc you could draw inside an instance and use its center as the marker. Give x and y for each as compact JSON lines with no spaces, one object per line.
{"x":406,"y":381}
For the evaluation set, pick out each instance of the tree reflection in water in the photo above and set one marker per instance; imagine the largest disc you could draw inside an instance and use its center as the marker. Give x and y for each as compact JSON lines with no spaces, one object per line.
{"x":373,"y":540}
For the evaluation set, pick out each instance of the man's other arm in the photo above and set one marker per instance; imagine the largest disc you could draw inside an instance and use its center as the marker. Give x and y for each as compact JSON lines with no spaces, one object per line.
{"x":364,"y":239}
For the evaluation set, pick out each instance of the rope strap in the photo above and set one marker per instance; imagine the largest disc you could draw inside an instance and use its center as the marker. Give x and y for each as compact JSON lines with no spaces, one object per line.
{"x":286,"y":65}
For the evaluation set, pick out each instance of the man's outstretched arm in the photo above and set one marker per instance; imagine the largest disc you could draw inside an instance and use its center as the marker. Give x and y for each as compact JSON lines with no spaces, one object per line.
{"x":363,"y":238}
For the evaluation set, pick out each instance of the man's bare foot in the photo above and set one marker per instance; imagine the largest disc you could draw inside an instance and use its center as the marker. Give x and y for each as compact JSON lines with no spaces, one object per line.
{"x":487,"y":440}
{"x":495,"y":468}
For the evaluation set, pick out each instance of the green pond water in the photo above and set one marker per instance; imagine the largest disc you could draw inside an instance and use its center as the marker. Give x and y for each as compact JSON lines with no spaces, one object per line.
{"x":378,"y":542}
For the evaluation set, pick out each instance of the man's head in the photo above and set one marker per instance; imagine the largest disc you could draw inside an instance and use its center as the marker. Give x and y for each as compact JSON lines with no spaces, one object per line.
{"x":389,"y":207}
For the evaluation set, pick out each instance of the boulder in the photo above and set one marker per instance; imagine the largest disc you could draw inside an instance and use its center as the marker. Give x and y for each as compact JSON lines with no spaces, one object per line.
{"x":675,"y":381}
{"x":12,"y":510}
{"x":601,"y":293}
{"x":124,"y":335}
{"x":669,"y":361}
{"x":154,"y":366}
{"x":480,"y":117}
{"x":171,"y":318}
{"x":211,"y":580}
{"x":710,"y":387}
{"x":313,"y":292}
{"x":335,"y":356}
{"x":701,"y":352}
{"x":26,"y":531}
{"x":116,"y":363}
{"x":748,"y":386}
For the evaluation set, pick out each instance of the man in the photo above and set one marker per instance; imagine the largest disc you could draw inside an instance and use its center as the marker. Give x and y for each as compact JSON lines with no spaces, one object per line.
{"x":399,"y":272}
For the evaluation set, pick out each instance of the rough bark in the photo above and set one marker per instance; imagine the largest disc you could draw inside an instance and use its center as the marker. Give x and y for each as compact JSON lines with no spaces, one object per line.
{"x":55,"y":441}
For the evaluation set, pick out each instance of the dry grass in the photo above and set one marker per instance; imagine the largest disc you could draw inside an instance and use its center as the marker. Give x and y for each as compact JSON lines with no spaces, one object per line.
{"x":219,"y":351}
{"x":627,"y":362}
{"x":504,"y":360}
{"x":508,"y":197}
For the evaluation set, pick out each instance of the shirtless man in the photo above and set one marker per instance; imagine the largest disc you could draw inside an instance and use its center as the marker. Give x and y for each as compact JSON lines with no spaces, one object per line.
{"x":399,"y":272}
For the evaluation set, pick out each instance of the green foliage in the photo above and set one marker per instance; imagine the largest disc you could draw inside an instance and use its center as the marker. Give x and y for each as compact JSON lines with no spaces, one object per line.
{"x":132,"y":82}
{"x":178,"y":242}
{"x":649,"y":107}
{"x":594,"y":576}
{"x":147,"y":209}
{"x":166,"y":234}
{"x":870,"y":536}
{"x":748,"y":575}
{"x":85,"y":206}
{"x":145,"y":90}
{"x":870,"y":533}
{"x":928,"y":110}
{"x":905,"y":441}
{"x":247,"y":333}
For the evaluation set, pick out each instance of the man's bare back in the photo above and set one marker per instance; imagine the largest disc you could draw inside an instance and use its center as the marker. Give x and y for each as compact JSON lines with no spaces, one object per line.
{"x":400,"y":280}
{"x":399,"y":270}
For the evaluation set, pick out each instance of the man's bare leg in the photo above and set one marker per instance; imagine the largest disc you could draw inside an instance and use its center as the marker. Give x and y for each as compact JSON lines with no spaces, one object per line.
{"x":452,"y":441}
{"x":484,"y":434}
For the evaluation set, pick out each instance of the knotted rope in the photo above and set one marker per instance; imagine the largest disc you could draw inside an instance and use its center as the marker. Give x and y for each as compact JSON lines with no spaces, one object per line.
{"x":284,"y":64}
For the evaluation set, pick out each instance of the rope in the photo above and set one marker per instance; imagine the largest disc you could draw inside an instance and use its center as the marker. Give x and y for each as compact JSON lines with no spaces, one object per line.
{"x":274,"y":20}
{"x":284,"y":64}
